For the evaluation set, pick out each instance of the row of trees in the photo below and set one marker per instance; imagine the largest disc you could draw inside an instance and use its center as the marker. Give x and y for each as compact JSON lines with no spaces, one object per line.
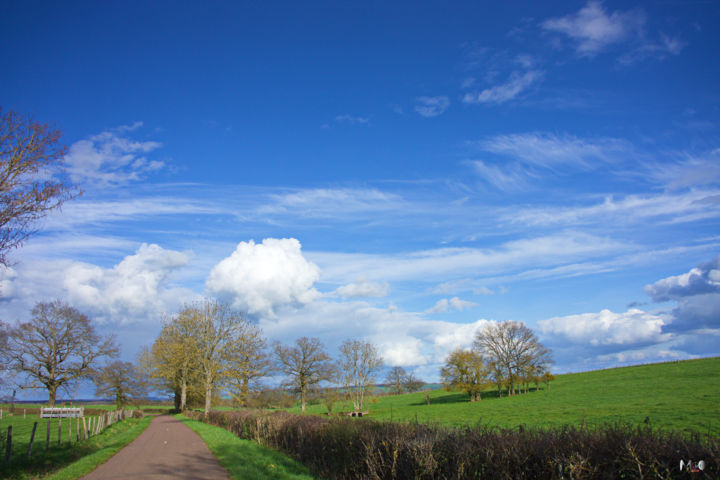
{"x":508,"y":355}
{"x":210,"y":344}
{"x":207,"y":347}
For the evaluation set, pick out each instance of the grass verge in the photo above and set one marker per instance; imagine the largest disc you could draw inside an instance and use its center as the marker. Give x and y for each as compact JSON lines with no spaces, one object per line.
{"x":73,"y":460}
{"x":244,"y":458}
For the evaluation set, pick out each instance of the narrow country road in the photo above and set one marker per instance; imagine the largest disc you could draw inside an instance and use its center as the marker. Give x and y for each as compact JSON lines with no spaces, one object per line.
{"x":168,"y":449}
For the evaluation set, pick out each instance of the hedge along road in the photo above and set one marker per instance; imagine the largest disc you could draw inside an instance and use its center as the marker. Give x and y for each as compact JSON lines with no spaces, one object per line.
{"x":167,"y":449}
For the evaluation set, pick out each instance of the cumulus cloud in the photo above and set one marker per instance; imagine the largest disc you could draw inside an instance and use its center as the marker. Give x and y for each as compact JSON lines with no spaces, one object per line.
{"x":131,"y":289}
{"x":454,"y":303}
{"x":606,"y":328}
{"x":697,"y":293}
{"x":515,"y":85}
{"x":363,"y":289}
{"x":258,"y":278}
{"x":432,"y":106}
{"x":111,"y":158}
{"x":135,"y":290}
{"x":593,"y":29}
{"x":703,"y":279}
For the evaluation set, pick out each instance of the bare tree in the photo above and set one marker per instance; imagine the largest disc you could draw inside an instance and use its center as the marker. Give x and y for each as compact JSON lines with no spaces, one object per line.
{"x":396,"y":379}
{"x":358,"y":364}
{"x":247,"y":362}
{"x":466,"y":370}
{"x":412,"y":383}
{"x":305,"y":364}
{"x":121,"y":381}
{"x":31,"y":161}
{"x":56,"y":348}
{"x":513,"y":349}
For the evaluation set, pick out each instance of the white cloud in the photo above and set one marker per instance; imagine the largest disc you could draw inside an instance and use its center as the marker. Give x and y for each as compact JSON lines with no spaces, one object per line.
{"x":136,"y":290}
{"x":703,"y":279}
{"x":363,"y":289}
{"x":438,"y":264}
{"x":664,"y":207}
{"x":516,"y":84}
{"x":594,"y":30}
{"x":403,"y":338}
{"x":548,"y":150}
{"x":330,"y":203}
{"x":432,"y":106}
{"x":606,"y":328}
{"x":352,"y":119}
{"x":507,"y":178}
{"x":258,"y":278}
{"x":109,"y":158}
{"x":454,"y":303}
{"x":693,"y":171}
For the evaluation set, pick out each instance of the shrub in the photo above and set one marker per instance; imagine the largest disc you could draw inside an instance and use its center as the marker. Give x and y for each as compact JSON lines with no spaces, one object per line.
{"x":344,"y":448}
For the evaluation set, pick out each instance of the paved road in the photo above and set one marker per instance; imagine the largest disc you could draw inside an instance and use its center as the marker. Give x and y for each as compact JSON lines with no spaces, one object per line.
{"x":167,"y":449}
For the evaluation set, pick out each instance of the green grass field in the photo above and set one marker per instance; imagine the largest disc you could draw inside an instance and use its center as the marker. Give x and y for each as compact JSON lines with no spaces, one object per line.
{"x":69,"y":460}
{"x":673,"y":396}
{"x":245,"y":459}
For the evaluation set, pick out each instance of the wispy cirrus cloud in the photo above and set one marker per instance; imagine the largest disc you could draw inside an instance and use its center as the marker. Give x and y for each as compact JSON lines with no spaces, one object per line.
{"x":329,"y":202}
{"x":664,"y":208}
{"x":517,"y":83}
{"x":352,"y":119}
{"x":549,"y":150}
{"x":432,"y":106}
{"x":532,"y":155}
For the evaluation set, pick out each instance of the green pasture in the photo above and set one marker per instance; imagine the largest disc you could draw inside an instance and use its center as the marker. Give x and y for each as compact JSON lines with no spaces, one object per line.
{"x":681,"y":396}
{"x":69,"y":460}
{"x":245,"y":459}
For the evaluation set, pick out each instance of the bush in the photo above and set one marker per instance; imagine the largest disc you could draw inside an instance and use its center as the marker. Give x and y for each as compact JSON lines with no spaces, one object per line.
{"x":343,"y":448}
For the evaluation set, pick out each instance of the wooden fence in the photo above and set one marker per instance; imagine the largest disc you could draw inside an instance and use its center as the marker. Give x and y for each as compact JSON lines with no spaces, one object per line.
{"x":83,"y":428}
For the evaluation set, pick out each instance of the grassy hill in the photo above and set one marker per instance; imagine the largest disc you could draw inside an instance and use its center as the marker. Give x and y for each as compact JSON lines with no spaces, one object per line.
{"x":681,"y":395}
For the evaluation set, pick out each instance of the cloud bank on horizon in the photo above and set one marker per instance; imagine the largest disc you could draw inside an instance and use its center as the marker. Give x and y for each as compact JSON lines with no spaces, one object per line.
{"x":406,"y":189}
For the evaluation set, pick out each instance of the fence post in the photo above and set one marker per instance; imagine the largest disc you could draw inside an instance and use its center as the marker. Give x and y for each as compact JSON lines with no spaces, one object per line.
{"x":69,"y":429}
{"x":9,"y":444}
{"x":85,"y":436}
{"x":47,"y":438}
{"x":77,"y":429}
{"x":59,"y":430}
{"x":32,"y":439}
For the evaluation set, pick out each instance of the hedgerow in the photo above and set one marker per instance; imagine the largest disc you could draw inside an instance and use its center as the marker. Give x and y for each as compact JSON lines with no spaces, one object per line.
{"x":344,"y":448}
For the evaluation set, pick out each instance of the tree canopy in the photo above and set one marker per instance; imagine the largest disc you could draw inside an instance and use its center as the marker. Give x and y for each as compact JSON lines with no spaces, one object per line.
{"x":57,"y":347}
{"x":31,"y":183}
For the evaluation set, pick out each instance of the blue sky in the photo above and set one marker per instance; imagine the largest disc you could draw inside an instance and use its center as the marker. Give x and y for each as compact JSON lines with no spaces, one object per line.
{"x":403,"y":172}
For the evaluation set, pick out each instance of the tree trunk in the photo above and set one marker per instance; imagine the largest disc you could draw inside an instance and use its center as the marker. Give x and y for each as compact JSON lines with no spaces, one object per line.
{"x":208,"y":397}
{"x":183,"y":396}
{"x":302,"y":399}
{"x":52,"y":391}
{"x":244,"y":389}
